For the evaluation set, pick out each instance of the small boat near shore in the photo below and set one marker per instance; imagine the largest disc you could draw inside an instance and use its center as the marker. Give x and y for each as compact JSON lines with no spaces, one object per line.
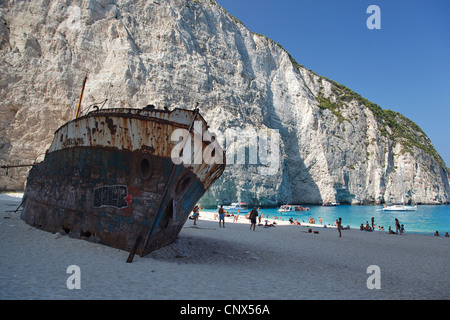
{"x":291,"y":208}
{"x":399,"y":207}
{"x":236,"y":207}
{"x":330,"y":204}
{"x":402,"y":206}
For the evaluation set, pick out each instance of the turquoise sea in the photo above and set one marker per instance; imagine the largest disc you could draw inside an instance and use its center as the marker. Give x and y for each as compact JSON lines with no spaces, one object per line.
{"x":426,"y":220}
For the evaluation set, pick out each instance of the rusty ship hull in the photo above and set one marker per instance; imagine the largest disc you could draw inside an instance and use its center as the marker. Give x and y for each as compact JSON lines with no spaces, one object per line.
{"x":109,"y":177}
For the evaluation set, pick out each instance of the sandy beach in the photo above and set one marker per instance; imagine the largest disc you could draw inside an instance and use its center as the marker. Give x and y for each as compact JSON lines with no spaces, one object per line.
{"x":211,"y":263}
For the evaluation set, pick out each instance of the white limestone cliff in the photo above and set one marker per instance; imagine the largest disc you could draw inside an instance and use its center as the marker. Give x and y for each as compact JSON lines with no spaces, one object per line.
{"x":178,"y":53}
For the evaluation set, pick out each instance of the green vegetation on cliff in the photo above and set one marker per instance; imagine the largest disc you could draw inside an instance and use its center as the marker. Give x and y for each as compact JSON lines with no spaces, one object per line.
{"x":391,"y":123}
{"x":401,"y":129}
{"x":326,"y":103}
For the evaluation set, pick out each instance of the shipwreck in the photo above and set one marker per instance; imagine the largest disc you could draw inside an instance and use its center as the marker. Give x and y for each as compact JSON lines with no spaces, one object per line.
{"x":110,"y":177}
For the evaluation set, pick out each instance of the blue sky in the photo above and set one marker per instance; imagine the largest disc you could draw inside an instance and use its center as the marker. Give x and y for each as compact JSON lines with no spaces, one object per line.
{"x":404,"y":66}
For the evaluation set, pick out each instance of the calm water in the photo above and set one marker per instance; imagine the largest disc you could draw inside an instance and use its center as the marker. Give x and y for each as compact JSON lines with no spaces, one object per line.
{"x":426,"y":220}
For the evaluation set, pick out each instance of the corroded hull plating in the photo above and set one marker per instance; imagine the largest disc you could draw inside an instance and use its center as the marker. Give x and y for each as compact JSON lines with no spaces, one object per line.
{"x":108,"y":177}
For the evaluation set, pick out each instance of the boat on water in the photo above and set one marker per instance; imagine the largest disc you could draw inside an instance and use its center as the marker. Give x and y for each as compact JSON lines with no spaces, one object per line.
{"x":109,"y":177}
{"x":402,"y":206}
{"x":238,"y":207}
{"x":292,"y":208}
{"x":330,"y":204}
{"x":399,"y":207}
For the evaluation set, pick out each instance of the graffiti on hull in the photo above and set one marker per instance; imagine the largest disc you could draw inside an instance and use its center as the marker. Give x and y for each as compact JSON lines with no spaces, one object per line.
{"x":111,"y":196}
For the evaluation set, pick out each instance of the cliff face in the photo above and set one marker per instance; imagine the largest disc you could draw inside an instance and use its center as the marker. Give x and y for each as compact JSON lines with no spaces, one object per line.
{"x":333,"y":144}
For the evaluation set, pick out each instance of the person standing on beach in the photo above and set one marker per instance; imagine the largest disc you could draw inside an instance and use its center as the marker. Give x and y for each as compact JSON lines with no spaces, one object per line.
{"x":397,"y":226}
{"x":253,"y":215}
{"x":195,"y":215}
{"x":339,"y":227}
{"x":373,"y":223}
{"x":221,"y":216}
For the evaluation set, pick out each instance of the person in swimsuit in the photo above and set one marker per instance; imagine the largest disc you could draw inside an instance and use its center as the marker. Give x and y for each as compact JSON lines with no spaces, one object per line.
{"x":196,"y":214}
{"x":253,"y":215}
{"x":221,"y":216}
{"x":339,"y":226}
{"x":397,"y":226}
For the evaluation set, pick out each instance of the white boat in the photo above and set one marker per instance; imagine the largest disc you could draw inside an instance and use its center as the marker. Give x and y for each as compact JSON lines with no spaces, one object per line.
{"x":330,"y":204}
{"x":240,"y":207}
{"x":292,"y":208}
{"x":400,"y":207}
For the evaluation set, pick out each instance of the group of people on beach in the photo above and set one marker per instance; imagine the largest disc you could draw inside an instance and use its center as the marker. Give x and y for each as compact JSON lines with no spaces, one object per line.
{"x":253,"y":216}
{"x":311,"y":220}
{"x":220,"y":215}
{"x":399,"y":229}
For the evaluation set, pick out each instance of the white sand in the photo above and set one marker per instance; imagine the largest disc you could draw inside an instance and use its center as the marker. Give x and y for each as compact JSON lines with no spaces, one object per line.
{"x":232,"y":263}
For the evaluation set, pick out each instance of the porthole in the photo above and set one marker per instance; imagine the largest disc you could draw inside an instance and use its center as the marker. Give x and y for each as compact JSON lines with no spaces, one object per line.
{"x":145,"y":168}
{"x":183,"y":185}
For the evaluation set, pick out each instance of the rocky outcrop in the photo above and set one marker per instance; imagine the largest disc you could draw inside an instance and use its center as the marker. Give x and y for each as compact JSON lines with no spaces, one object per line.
{"x":333,"y":144}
